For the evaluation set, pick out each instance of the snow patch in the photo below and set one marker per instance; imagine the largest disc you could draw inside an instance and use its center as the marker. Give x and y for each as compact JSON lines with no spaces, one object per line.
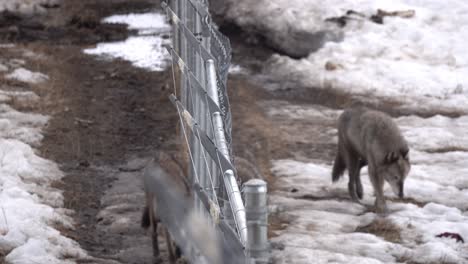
{"x":145,"y":23}
{"x":24,"y":75}
{"x":30,"y":209}
{"x":3,"y":68}
{"x":236,"y":69}
{"x":320,"y":222}
{"x":419,"y":61}
{"x":150,"y":53}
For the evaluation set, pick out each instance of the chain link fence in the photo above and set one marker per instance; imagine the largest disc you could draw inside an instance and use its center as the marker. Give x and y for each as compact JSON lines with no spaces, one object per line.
{"x":201,"y":57}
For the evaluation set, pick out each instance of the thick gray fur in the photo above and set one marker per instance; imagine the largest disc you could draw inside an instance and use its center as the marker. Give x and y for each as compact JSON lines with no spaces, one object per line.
{"x":368,"y":137}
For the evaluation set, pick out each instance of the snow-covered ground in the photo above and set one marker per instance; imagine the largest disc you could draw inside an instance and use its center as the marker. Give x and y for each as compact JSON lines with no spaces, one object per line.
{"x":31,"y":210}
{"x":420,"y":64}
{"x":323,"y":221}
{"x":419,"y":61}
{"x":145,"y":50}
{"x":27,"y":7}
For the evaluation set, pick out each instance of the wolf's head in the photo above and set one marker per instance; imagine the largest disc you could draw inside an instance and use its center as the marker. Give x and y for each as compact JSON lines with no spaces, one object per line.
{"x":394,"y":169}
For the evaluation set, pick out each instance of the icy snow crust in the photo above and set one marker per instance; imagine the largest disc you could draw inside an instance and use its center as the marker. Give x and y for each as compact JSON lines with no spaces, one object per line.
{"x":25,"y":75}
{"x":323,"y":220}
{"x":30,"y":209}
{"x":419,"y":61}
{"x":26,"y":7}
{"x":144,"y":50}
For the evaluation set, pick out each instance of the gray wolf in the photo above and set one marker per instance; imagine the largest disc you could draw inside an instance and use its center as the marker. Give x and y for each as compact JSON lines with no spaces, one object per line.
{"x":166,"y":166}
{"x":368,"y":137}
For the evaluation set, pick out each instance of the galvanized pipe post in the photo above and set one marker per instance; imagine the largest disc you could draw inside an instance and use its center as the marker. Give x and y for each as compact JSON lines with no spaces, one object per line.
{"x":255,"y":196}
{"x":233,"y":211}
{"x":212,"y":93}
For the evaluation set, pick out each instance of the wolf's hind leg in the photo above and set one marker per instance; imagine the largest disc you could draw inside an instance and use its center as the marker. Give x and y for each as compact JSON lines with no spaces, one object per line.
{"x":353,"y":170}
{"x":359,"y":189}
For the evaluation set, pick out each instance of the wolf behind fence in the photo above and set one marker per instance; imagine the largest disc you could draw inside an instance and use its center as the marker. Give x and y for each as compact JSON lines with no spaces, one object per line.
{"x":367,"y":137}
{"x":169,"y":168}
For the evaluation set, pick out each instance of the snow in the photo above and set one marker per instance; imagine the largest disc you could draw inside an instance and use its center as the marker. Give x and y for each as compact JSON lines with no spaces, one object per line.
{"x":24,"y":127}
{"x":25,"y":75}
{"x":30,"y":209}
{"x":237,"y":69}
{"x":419,"y":61}
{"x":418,"y":64}
{"x":327,"y":225}
{"x":145,"y":23}
{"x":26,"y":7}
{"x":144,"y":50}
{"x":322,"y":220}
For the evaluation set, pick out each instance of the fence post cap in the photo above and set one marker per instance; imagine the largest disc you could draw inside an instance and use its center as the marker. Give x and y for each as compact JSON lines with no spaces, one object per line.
{"x":255,"y":186}
{"x":255,"y":182}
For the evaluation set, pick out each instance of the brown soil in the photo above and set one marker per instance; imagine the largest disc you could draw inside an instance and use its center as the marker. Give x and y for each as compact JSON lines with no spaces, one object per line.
{"x":384,"y":229}
{"x":104,"y":112}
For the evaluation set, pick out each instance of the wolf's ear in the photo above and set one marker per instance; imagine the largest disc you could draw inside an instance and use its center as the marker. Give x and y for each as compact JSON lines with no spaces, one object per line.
{"x":404,"y":153}
{"x":391,"y":158}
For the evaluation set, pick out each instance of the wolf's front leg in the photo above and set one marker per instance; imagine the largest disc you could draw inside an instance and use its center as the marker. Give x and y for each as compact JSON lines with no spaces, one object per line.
{"x":380,"y":204}
{"x":378,"y":183}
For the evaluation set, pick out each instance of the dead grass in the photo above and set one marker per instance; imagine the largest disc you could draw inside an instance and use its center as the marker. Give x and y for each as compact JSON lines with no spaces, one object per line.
{"x":255,"y":138}
{"x":382,"y":228}
{"x":406,"y":260}
{"x":447,"y":149}
{"x":408,"y":200}
{"x":276,"y":222}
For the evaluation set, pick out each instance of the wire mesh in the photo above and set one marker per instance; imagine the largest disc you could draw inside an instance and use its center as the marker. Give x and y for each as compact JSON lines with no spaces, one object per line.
{"x":205,"y":116}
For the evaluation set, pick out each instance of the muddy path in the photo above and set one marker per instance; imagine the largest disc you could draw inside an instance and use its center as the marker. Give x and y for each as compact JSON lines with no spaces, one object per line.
{"x":108,"y":118}
{"x":108,"y":113}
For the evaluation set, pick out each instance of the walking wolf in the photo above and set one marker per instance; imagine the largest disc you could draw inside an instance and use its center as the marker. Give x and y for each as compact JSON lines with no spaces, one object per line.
{"x":368,"y":137}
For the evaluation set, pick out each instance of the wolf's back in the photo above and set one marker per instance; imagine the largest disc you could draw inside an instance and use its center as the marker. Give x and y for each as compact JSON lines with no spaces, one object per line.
{"x":382,"y":132}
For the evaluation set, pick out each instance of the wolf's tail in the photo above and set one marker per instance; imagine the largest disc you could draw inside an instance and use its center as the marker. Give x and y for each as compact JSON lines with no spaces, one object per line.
{"x":145,"y":218}
{"x":339,"y":167}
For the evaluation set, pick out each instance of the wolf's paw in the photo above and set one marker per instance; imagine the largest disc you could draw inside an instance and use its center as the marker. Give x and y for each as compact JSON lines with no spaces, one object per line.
{"x":381,"y":207}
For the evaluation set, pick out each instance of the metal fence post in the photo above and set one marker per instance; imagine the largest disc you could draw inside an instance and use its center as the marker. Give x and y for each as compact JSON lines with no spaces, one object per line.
{"x":255,"y":196}
{"x":234,"y":211}
{"x":204,"y":66}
